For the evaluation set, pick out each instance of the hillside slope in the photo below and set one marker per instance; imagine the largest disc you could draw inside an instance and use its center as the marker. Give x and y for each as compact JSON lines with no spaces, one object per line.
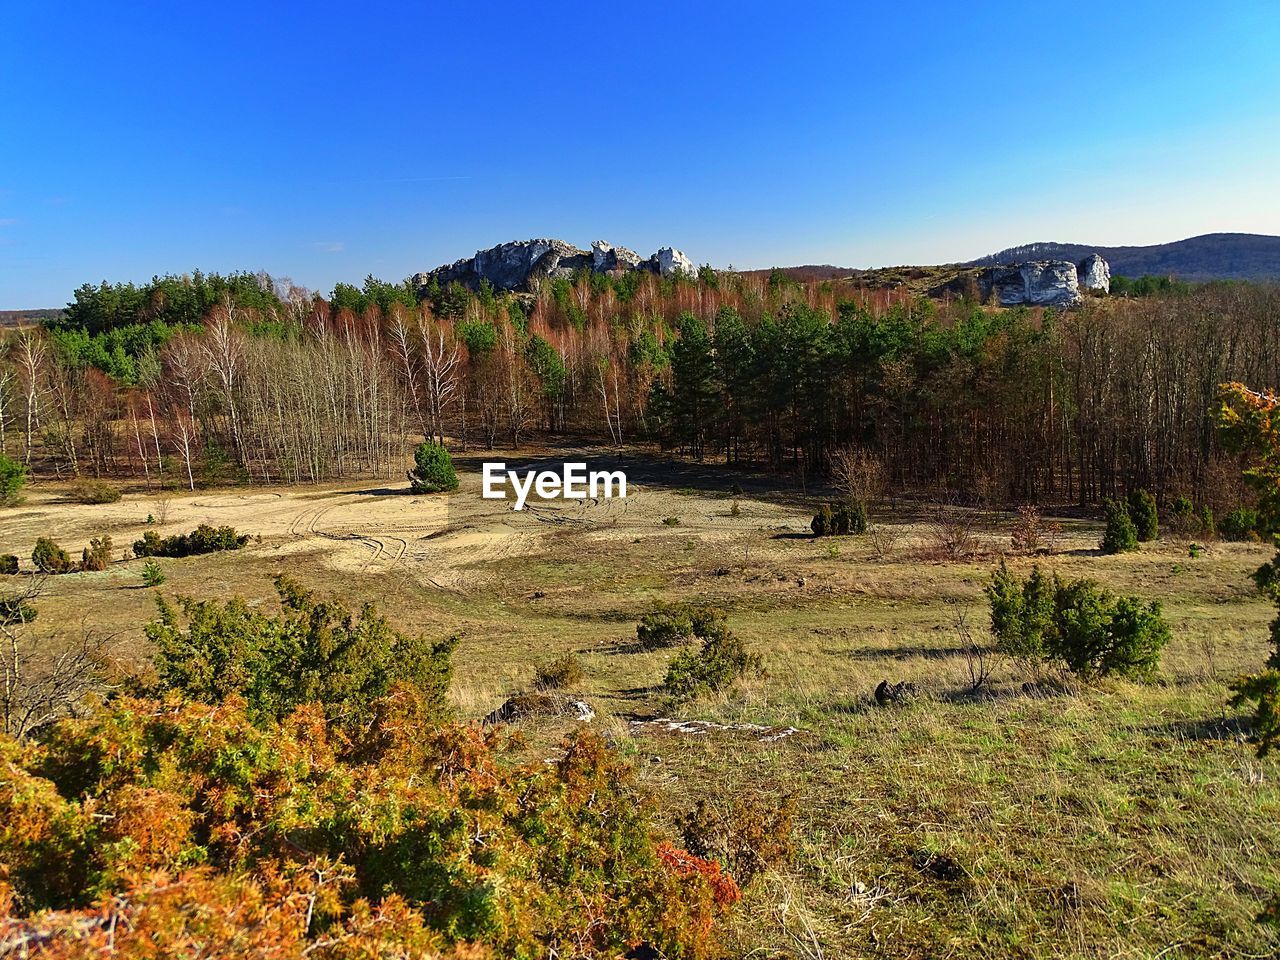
{"x":1212,"y":256}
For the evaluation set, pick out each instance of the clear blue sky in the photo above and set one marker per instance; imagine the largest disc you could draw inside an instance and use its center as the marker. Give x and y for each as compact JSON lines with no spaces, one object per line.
{"x":326,"y":141}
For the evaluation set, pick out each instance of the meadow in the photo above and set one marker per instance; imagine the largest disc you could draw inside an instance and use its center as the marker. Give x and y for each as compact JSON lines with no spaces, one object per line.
{"x":1111,"y":820}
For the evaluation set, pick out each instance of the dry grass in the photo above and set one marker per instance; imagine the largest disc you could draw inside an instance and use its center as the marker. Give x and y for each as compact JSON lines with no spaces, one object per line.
{"x":1120,"y":821}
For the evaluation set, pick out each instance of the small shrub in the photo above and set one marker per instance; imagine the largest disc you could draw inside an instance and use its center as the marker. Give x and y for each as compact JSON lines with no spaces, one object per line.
{"x":1145,"y":516}
{"x":1195,"y":551}
{"x":745,"y":836}
{"x":1028,"y":530}
{"x":1121,"y":535}
{"x":850,"y":518}
{"x":311,"y":842}
{"x":14,"y":610}
{"x":1240,"y":525}
{"x":92,"y":491}
{"x":823,"y":521}
{"x":1097,"y":635}
{"x":1207,"y":526}
{"x":1262,"y":692}
{"x":671,"y":521}
{"x":313,"y":651}
{"x":953,"y":530}
{"x":884,"y":537}
{"x":203,"y":539}
{"x":1021,"y":612}
{"x":678,"y":625}
{"x":1182,"y":514}
{"x":559,"y":674}
{"x":735,"y":510}
{"x":433,"y":470}
{"x":8,"y":563}
{"x":97,"y":555}
{"x":48,"y":557}
{"x":12,"y":476}
{"x":1077,"y":624}
{"x":152,"y":575}
{"x":717,"y":664}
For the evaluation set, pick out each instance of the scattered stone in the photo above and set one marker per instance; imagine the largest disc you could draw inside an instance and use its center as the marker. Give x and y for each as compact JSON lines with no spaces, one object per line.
{"x":887,"y":693}
{"x":524,"y":706}
{"x":721,"y":571}
{"x":761,"y":733}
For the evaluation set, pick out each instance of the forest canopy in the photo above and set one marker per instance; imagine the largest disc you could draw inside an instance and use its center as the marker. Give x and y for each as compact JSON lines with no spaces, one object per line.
{"x":210,"y":378}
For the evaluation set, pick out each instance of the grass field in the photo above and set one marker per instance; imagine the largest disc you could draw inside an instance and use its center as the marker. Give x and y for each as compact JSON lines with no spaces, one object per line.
{"x":1116,"y":821}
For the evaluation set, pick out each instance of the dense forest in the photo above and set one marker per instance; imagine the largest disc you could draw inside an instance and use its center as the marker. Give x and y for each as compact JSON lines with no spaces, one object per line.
{"x":213,"y":379}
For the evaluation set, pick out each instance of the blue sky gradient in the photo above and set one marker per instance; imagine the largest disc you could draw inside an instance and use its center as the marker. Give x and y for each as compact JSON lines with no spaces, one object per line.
{"x":326,"y":141}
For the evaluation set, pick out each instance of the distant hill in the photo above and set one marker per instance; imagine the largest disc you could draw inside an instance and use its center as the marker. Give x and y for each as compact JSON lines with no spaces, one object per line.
{"x":1213,"y":256}
{"x":22,"y":318}
{"x":809,"y":271}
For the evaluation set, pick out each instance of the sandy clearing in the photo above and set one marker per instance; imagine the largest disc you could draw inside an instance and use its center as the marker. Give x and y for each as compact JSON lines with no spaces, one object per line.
{"x":445,"y":541}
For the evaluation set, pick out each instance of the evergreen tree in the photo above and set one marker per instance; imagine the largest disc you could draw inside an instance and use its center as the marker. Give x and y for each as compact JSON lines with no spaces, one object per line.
{"x":433,"y":470}
{"x":1120,"y":535}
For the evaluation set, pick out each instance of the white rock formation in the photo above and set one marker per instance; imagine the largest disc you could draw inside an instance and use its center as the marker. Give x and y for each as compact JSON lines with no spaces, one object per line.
{"x":1041,"y":283}
{"x":672,"y":261}
{"x":1094,"y":273}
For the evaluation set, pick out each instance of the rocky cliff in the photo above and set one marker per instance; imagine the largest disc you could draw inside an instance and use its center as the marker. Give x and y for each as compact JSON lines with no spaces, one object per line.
{"x":1045,"y":283}
{"x":522,"y":265}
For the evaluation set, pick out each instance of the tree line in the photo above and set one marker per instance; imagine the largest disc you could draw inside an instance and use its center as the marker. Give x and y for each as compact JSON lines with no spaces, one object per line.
{"x":205,"y":378}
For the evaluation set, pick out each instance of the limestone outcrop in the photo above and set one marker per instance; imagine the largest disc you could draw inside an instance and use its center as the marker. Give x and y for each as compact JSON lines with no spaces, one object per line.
{"x":522,"y":265}
{"x":1045,"y":283}
{"x":1095,"y":273}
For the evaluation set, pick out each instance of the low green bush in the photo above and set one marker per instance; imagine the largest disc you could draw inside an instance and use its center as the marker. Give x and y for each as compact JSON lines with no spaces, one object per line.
{"x":433,"y":470}
{"x":720,"y":661}
{"x":48,"y":557}
{"x":1077,"y":625}
{"x":560,"y":674}
{"x":12,"y":476}
{"x":840,"y":520}
{"x":314,"y":651}
{"x":203,"y":539}
{"x":1145,"y":515}
{"x":8,"y":563}
{"x":674,"y":626}
{"x":15,"y":610}
{"x":1240,"y":525}
{"x":152,"y":575}
{"x":823,"y":522}
{"x":1120,"y":535}
{"x":92,"y":491}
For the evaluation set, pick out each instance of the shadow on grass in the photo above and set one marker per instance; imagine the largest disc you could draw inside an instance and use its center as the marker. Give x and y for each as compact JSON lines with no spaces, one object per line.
{"x":1238,"y":729}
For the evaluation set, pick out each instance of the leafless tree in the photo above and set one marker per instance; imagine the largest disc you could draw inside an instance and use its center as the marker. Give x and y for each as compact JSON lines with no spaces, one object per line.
{"x":953,"y":530}
{"x":7,"y":380}
{"x":441,"y":361}
{"x":33,"y":356}
{"x":977,"y":658}
{"x":858,"y":474}
{"x":45,"y":679}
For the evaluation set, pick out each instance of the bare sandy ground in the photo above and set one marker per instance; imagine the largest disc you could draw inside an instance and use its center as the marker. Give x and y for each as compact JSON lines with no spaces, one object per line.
{"x":445,"y":540}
